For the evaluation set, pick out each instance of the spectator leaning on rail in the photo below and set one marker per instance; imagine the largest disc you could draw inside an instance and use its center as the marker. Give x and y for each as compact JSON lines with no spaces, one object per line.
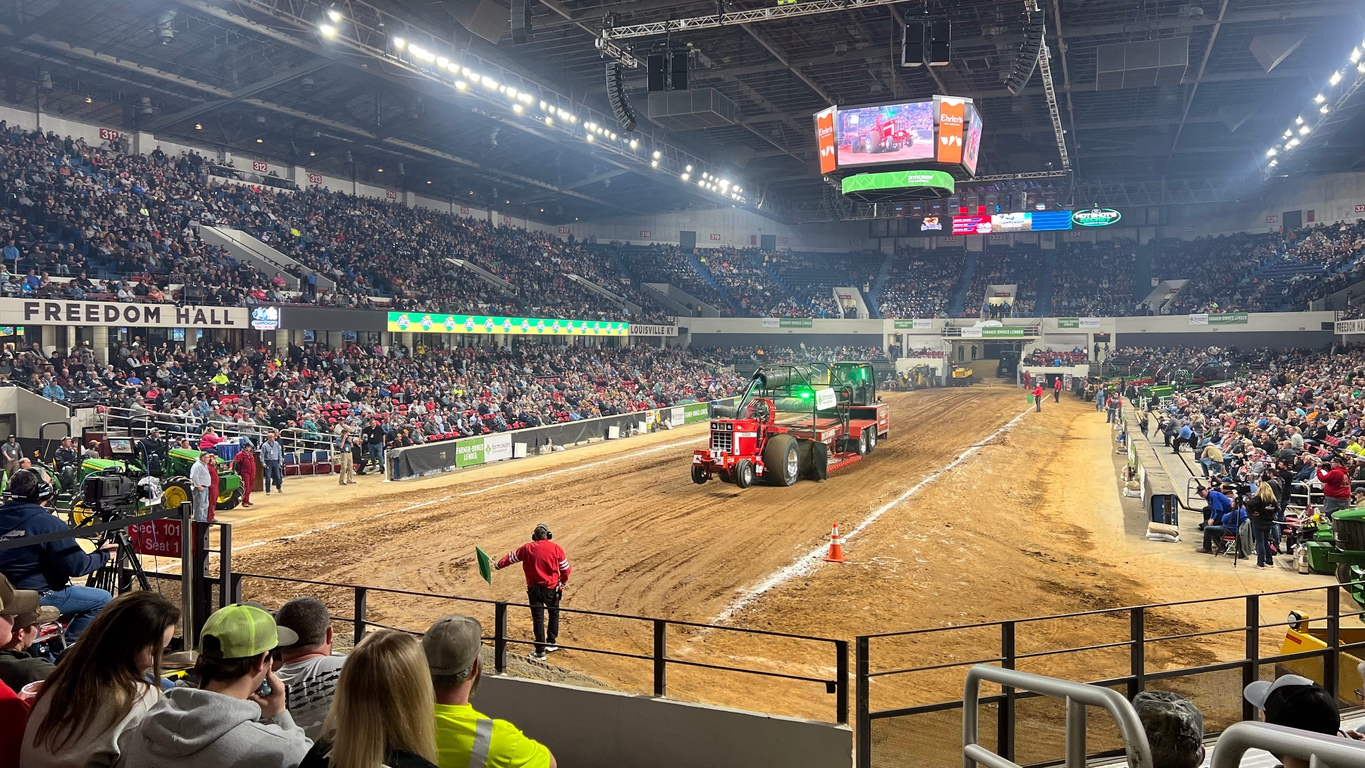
{"x":310,"y":670}
{"x":1174,"y":727}
{"x":547,"y":572}
{"x":230,"y":720}
{"x":48,"y":567}
{"x":465,"y":737}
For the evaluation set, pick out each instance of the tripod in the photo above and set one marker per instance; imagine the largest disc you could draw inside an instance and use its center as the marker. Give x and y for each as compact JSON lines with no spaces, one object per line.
{"x":109,"y":577}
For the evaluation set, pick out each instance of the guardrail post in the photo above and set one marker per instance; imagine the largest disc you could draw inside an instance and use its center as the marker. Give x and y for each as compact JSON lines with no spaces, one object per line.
{"x":1075,"y":734}
{"x":1005,"y":716}
{"x":1251,"y":670}
{"x":224,"y":564}
{"x":660,"y":662}
{"x":1137,"y":651}
{"x":862,"y":726}
{"x":841,"y":682}
{"x":361,"y":598}
{"x":236,"y":589}
{"x":1331,"y":663}
{"x":203,"y":595}
{"x":500,"y":638}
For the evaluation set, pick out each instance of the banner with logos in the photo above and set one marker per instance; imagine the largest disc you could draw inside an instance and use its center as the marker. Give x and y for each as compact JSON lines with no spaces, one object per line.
{"x":1078,"y":322}
{"x":1226,"y":318}
{"x":113,"y":313}
{"x":519,"y":326}
{"x":637,"y":329}
{"x":918,"y":324}
{"x":787,"y":322}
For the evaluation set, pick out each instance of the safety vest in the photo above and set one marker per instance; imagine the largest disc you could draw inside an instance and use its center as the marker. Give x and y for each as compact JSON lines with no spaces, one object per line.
{"x":466,"y":738}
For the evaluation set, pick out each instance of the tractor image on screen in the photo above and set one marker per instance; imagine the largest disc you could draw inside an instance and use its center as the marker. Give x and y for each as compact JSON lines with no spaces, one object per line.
{"x":794,"y":421}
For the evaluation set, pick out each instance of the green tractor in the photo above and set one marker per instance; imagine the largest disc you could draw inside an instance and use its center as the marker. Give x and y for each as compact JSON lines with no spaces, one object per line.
{"x":175,"y":483}
{"x":1346,"y":556}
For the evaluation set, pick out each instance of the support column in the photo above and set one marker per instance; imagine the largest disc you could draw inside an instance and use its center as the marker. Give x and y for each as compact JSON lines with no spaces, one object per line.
{"x":101,"y":344}
{"x":281,"y":340}
{"x":49,"y":338}
{"x":191,"y":339}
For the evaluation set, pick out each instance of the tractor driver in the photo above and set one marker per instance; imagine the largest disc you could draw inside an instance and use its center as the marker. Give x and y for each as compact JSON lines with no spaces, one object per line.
{"x":48,"y":567}
{"x":154,"y":446}
{"x":759,"y":410}
{"x":66,"y":459}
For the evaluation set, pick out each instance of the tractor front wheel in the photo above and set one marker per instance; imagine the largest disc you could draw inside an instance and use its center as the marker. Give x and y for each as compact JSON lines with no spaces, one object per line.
{"x":699,"y":474}
{"x":744,"y":473}
{"x":230,"y":500}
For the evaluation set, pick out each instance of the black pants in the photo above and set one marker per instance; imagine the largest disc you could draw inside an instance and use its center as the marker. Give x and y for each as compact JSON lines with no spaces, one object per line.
{"x":1056,"y":395}
{"x":541,"y":599}
{"x":1214,"y":534}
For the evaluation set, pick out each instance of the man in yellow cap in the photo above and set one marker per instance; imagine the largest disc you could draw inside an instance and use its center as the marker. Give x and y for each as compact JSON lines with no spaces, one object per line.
{"x":466,"y":738}
{"x":231,"y":719}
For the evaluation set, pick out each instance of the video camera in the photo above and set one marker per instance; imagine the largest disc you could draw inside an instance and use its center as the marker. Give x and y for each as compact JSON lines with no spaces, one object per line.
{"x":112,"y":493}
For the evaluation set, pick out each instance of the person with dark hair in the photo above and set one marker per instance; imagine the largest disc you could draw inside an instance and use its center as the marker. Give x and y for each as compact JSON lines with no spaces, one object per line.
{"x":1174,"y":727}
{"x":382,"y":712}
{"x":1297,"y":702}
{"x":18,"y":667}
{"x":547,"y":572}
{"x":464,"y":736}
{"x":48,"y":568}
{"x":103,"y":686}
{"x":231,"y":719}
{"x":310,"y":670}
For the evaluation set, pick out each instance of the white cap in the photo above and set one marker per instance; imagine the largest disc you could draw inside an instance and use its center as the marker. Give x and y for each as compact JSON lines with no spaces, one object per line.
{"x":1259,"y":691}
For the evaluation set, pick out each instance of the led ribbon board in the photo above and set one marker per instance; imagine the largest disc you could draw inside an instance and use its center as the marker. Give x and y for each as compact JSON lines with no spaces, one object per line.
{"x":887,"y":186}
{"x":417,"y":322}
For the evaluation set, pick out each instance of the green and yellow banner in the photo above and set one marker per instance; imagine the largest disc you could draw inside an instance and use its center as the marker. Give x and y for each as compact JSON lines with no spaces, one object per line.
{"x":417,"y":322}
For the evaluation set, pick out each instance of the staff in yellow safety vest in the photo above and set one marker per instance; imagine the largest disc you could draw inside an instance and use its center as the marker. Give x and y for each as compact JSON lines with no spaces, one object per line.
{"x":466,"y":738}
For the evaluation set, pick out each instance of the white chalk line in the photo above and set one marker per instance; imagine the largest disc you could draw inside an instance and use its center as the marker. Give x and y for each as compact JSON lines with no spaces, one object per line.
{"x":448,"y":497}
{"x":808,"y":562}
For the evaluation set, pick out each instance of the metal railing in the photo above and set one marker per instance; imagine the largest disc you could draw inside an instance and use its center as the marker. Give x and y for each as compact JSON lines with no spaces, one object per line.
{"x":1317,"y":749}
{"x":967,"y":640}
{"x":1077,"y":696}
{"x":121,"y":422}
{"x":660,"y":633}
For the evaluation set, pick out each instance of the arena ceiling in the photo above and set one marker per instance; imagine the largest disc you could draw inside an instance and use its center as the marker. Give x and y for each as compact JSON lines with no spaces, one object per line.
{"x":260,"y":78}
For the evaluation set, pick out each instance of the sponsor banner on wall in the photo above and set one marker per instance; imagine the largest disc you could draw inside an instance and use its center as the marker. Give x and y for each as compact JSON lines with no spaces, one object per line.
{"x":991,"y":332}
{"x":113,"y":313}
{"x":824,"y":139}
{"x":794,"y":322}
{"x":637,"y":329}
{"x":470,"y":452}
{"x":1226,"y":318}
{"x":265,"y":318}
{"x":497,"y":447}
{"x":771,"y":322}
{"x":1078,"y":322}
{"x":919,"y":324}
{"x":971,"y":332}
{"x":414,"y":322}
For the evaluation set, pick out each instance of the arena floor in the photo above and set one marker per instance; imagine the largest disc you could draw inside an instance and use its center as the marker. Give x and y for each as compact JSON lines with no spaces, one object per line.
{"x":1029,"y":523}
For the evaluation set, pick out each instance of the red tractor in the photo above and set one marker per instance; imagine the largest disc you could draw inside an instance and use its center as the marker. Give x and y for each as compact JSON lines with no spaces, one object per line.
{"x":794,"y":421}
{"x":883,"y":137}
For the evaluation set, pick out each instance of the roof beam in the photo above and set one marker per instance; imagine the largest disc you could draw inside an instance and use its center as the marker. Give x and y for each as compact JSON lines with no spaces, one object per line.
{"x":265,"y":84}
{"x":1194,"y":87}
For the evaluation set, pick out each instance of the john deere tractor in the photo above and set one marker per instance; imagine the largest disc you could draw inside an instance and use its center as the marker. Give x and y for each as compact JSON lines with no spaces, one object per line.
{"x":174,"y":479}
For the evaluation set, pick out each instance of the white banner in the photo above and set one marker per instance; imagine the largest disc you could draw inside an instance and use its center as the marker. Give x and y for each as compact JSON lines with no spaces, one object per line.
{"x":1201,"y":318}
{"x":113,"y":313}
{"x":675,"y":416}
{"x":971,"y":332}
{"x":1090,"y":322}
{"x":772,"y":322}
{"x":922,"y":324}
{"x":653,"y":330}
{"x":497,"y":447}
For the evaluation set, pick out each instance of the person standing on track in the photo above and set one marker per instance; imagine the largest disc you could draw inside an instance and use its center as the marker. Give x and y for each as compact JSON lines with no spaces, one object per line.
{"x":1038,"y":397}
{"x":547,"y":572}
{"x":1057,"y":390}
{"x":244,"y":463}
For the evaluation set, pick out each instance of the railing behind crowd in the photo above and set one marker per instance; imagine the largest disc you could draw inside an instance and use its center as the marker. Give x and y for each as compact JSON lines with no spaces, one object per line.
{"x":118,"y":422}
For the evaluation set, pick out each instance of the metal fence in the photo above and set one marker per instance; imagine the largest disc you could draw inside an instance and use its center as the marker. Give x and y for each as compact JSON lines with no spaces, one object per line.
{"x":891,"y":731}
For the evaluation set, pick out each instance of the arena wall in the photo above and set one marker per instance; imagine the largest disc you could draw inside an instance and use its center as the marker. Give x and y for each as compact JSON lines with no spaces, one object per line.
{"x":727,"y":227}
{"x":628,"y":731}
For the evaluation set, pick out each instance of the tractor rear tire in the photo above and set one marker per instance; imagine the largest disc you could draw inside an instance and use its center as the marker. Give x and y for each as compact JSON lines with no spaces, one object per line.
{"x":860,"y":444}
{"x":871,"y":438}
{"x":231,"y":500}
{"x":783,"y":464}
{"x":176,"y":492}
{"x":699,"y":475}
{"x":744,"y":473}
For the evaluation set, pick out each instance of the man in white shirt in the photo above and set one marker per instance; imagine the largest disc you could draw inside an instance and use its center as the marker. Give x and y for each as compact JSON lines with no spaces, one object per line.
{"x":200,"y":480}
{"x":310,"y":670}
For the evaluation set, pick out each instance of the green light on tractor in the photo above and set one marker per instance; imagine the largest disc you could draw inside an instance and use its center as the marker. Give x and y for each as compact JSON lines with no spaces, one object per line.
{"x":805,"y":394}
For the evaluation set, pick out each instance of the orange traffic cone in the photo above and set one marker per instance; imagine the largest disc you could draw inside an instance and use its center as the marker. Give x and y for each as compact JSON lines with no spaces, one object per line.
{"x":836,"y":546}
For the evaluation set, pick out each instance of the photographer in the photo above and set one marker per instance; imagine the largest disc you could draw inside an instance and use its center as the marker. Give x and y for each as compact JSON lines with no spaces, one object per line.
{"x":48,"y":567}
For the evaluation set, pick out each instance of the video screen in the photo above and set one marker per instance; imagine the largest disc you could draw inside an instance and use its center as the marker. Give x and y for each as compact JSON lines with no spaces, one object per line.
{"x":120,"y":445}
{"x":1049,"y":221}
{"x":894,"y":133}
{"x":971,"y":225}
{"x":972,"y":151}
{"x":1012,"y":222}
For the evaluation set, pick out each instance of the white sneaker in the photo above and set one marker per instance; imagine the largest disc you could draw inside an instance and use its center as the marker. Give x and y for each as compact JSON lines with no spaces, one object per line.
{"x":551,"y":648}
{"x":537,"y":656}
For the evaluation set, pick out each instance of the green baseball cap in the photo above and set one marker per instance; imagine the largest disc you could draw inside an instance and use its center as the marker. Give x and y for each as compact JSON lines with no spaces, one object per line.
{"x":242,"y":631}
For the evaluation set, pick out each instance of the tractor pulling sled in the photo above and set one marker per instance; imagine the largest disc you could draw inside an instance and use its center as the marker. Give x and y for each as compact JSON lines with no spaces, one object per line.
{"x":794,"y":421}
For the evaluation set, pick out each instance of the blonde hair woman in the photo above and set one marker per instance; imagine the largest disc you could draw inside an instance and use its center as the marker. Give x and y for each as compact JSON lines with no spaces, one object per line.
{"x":1262,"y":509}
{"x":381,"y":711}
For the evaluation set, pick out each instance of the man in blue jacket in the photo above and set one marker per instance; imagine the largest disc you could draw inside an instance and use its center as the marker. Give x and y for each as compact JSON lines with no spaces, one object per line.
{"x":1226,"y":525}
{"x":48,"y":567}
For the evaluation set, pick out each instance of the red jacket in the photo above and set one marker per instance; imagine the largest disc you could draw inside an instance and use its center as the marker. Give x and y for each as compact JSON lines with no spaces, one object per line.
{"x":1335,"y":483}
{"x":544,"y":562}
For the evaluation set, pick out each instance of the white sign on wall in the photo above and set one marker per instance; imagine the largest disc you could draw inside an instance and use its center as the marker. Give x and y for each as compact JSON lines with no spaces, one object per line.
{"x":653,"y":330}
{"x":113,"y":313}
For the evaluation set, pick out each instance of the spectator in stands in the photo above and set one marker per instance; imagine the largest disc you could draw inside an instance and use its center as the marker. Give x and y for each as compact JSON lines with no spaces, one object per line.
{"x":103,"y":687}
{"x":18,"y":668}
{"x":1336,"y":485}
{"x":1174,"y":728}
{"x":230,"y":720}
{"x":1297,"y":702}
{"x":1222,"y":526}
{"x":13,"y":710}
{"x":310,"y":669}
{"x":464,"y":736}
{"x":49,"y":567}
{"x":381,"y":714}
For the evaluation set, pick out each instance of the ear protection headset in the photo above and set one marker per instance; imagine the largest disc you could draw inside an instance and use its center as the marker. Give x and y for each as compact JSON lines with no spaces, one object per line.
{"x":40,"y":491}
{"x":542,"y":532}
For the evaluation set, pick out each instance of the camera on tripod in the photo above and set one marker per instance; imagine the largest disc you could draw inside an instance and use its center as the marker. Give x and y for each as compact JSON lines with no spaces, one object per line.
{"x":112,"y":493}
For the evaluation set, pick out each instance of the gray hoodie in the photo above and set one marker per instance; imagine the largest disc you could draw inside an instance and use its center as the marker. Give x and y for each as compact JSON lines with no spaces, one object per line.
{"x":191,"y":728}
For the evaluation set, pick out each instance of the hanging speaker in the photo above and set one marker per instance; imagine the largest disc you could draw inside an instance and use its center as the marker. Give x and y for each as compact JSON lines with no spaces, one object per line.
{"x":678,"y":62}
{"x":658,"y":72}
{"x":616,"y":96}
{"x":1029,"y":51}
{"x":912,"y":45}
{"x":521,"y":22}
{"x":940,"y":37}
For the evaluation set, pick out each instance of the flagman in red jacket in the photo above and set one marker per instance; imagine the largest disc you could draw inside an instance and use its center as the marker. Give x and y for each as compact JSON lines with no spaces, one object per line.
{"x":547,"y":571}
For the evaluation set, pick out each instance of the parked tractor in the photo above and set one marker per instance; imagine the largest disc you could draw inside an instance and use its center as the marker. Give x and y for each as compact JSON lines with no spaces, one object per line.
{"x":794,"y":421}
{"x":174,"y":478}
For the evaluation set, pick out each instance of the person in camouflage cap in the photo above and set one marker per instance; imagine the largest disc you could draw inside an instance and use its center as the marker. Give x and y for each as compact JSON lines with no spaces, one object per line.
{"x":1174,"y":726}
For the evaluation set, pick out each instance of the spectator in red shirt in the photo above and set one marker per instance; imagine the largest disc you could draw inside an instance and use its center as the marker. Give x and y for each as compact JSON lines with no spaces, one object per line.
{"x":1057,"y":390}
{"x":1038,"y":397}
{"x":547,"y":571}
{"x":1336,"y":486}
{"x":245,"y":465}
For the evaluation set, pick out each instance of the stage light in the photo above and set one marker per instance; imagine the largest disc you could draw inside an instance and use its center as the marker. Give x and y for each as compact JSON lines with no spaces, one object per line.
{"x":1319,"y":99}
{"x":381,"y":170}
{"x":1361,"y":67}
{"x":327,"y":30}
{"x":657,"y":154}
{"x":334,"y":15}
{"x":701,"y":183}
{"x":1298,"y":121}
{"x":590,"y":137}
{"x":1270,"y":152}
{"x":688,"y":169}
{"x":461,"y":85}
{"x":1305,"y":130}
{"x":198,"y":126}
{"x":399,"y":42}
{"x":1274,"y":163}
{"x":1288,"y":133}
{"x":516,"y":108}
{"x":1324,"y":109}
{"x":1355,"y":55}
{"x":1292,"y":143}
{"x":442,"y":62}
{"x":549,"y":121}
{"x":685,"y":176}
{"x":489,"y":82}
{"x":653,"y":163}
{"x":260,"y":141}
{"x":634,"y":143}
{"x":1334,"y":79}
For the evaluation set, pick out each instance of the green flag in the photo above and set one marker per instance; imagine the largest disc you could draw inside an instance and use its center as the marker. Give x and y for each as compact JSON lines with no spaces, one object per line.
{"x":485,"y":565}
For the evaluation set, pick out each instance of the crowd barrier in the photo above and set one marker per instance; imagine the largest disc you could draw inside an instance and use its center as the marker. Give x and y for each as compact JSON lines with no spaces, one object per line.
{"x":417,"y":460}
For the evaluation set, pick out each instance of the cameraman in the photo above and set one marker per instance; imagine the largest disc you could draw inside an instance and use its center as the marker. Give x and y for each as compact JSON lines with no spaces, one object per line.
{"x":48,"y":567}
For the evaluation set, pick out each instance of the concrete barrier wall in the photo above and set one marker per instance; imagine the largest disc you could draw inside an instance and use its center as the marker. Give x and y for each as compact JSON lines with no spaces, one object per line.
{"x":625,"y":731}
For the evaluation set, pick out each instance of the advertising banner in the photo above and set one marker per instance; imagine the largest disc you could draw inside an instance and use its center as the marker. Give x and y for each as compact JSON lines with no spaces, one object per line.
{"x":971,"y":332}
{"x":497,"y":447}
{"x":1096,"y":217}
{"x":695,"y":412}
{"x":920,"y":324}
{"x":951,"y":114}
{"x":113,"y":313}
{"x":637,"y":329}
{"x":771,"y":322}
{"x":470,"y":452}
{"x":824,"y":139}
{"x":971,"y":225}
{"x":1078,"y":322}
{"x":794,"y":322}
{"x":518,"y":326}
{"x":1227,"y":318}
{"x":1002,"y":333}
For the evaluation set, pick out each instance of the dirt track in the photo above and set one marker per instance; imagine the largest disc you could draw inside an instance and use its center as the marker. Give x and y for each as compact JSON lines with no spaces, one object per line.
{"x":1028,"y":525}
